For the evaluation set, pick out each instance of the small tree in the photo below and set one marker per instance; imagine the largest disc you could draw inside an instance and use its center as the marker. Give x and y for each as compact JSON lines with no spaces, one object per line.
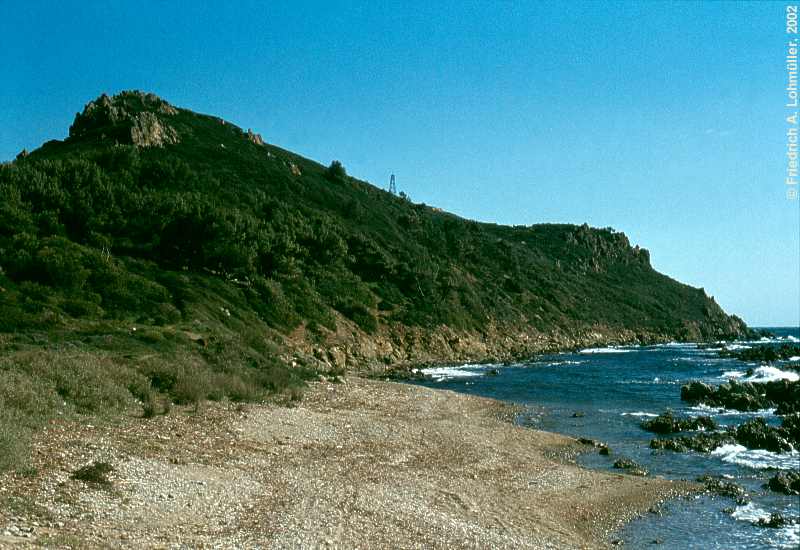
{"x":336,"y":171}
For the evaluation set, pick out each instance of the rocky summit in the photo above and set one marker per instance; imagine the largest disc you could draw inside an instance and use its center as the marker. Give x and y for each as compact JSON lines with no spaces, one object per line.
{"x":132,"y":117}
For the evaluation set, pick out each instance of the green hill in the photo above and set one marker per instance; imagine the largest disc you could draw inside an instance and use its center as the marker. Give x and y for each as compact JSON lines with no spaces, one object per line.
{"x":202,"y":262}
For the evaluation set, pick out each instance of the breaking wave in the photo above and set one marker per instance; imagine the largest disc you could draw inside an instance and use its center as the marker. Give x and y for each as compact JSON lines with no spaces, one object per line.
{"x":605,"y":350}
{"x":758,"y":459}
{"x":448,"y":373}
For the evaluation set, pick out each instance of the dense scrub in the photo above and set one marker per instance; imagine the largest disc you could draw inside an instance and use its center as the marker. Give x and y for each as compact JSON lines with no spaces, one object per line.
{"x":95,"y":228}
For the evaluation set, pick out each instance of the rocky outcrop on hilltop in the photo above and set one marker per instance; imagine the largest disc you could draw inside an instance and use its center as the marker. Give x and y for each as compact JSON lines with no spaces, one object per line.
{"x":134,"y":118}
{"x":255,"y":138}
{"x":148,"y":131}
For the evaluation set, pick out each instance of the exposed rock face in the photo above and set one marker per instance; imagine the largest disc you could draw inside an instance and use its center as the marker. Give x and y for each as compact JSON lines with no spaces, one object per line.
{"x":398,"y":347}
{"x":147,"y":131}
{"x":255,"y":138}
{"x":130,"y":117}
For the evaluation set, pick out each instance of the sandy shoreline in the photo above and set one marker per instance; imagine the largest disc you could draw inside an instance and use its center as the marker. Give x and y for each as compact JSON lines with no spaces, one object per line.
{"x":363,"y":464}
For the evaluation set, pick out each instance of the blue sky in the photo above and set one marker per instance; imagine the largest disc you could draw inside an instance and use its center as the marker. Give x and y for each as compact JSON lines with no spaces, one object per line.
{"x":663,"y":120}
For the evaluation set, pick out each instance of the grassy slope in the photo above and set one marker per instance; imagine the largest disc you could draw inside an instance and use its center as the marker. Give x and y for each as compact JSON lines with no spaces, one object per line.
{"x":217,"y":247}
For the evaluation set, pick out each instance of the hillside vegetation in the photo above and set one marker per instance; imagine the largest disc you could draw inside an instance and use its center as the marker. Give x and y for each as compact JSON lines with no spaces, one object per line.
{"x":191,"y":259}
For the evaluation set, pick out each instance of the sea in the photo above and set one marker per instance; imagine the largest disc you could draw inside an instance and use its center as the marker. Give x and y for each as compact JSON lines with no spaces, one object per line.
{"x":612,"y":390}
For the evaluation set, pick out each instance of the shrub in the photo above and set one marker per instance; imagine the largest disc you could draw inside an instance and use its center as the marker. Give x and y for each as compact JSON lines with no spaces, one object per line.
{"x":95,"y":473}
{"x":335,"y":171}
{"x":149,"y":407}
{"x":14,"y":439}
{"x":89,"y":382}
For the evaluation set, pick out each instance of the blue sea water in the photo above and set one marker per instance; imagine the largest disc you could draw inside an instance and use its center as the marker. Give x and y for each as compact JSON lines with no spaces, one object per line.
{"x":617,"y":388}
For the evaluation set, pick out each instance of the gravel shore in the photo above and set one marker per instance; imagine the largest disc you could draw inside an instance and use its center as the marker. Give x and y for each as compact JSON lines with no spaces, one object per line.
{"x":360,"y":464}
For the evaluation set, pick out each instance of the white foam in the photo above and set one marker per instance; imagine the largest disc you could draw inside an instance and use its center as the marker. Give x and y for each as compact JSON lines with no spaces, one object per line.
{"x":559,"y":363}
{"x":784,"y":537}
{"x":734,"y":347}
{"x":758,"y":459}
{"x":676,"y":345}
{"x":770,"y":374}
{"x":448,"y":373}
{"x":750,"y":512}
{"x":733,"y":374}
{"x":766,"y":340}
{"x":703,"y":409}
{"x":787,"y":537}
{"x":794,"y":358}
{"x":793,"y":338}
{"x":640,"y":413}
{"x":605,"y":350}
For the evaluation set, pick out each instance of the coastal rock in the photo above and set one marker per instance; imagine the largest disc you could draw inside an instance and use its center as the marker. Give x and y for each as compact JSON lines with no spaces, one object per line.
{"x":746,"y":396}
{"x":753,"y":434}
{"x":630,"y":466}
{"x":756,"y":434}
{"x":702,"y":442}
{"x":788,"y":407}
{"x":723,"y":488}
{"x":787,"y":482}
{"x":696,"y":392}
{"x":775,"y":520}
{"x":766,"y":353}
{"x":666,"y":423}
{"x":791,"y":426}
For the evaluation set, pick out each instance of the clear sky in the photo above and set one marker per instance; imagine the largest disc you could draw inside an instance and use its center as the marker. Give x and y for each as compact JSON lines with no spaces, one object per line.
{"x":663,"y":120}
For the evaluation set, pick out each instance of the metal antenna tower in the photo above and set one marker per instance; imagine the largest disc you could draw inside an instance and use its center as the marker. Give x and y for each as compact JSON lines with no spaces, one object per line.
{"x":392,"y":186}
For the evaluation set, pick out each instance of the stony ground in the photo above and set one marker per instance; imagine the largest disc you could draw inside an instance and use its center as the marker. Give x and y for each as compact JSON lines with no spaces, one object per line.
{"x":361,"y":464}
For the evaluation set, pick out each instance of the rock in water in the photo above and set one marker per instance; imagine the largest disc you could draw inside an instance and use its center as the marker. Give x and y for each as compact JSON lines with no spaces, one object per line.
{"x":775,"y":521}
{"x":695,"y":392}
{"x":703,"y":442}
{"x":630,"y":466}
{"x":665,"y":423}
{"x":756,"y":434}
{"x":785,"y":482}
{"x":723,"y":488}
